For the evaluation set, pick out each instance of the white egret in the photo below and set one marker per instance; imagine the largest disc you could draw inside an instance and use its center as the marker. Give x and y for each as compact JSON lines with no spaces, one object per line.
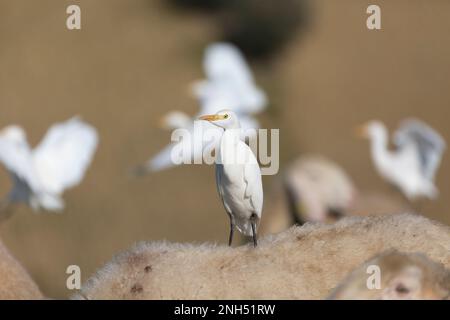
{"x":229,"y":78}
{"x":238,"y":176}
{"x":229,"y":82}
{"x":59,"y":162}
{"x":413,"y":165}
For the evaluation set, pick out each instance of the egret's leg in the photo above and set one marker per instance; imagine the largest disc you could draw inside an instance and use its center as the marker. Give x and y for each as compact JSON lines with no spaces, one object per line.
{"x":255,"y":241}
{"x":230,"y":239}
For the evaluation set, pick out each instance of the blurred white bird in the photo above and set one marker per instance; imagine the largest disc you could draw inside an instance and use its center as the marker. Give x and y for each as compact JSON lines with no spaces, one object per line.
{"x":238,"y":176}
{"x":59,"y":162}
{"x":412,"y":167}
{"x":229,"y":84}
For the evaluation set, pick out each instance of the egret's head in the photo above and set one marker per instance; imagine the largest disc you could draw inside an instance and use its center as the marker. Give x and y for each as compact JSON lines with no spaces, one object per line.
{"x":371,"y":129}
{"x":14,"y":134}
{"x":225,"y":119}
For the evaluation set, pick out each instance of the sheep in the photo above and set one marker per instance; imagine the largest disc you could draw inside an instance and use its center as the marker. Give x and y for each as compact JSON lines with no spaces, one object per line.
{"x":401,"y":276}
{"x":317,"y":188}
{"x":313,"y":188}
{"x":15,"y":282}
{"x":301,"y":263}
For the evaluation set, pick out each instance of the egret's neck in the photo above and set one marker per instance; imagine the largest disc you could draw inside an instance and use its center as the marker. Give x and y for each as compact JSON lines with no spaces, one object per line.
{"x":379,"y":148}
{"x":228,"y":145}
{"x":231,"y":137}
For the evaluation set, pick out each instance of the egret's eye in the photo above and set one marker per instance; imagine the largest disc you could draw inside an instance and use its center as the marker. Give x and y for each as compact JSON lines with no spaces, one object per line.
{"x":225,"y":116}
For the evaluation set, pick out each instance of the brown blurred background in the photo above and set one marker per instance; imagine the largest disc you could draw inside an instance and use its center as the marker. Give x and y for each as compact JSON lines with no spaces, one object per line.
{"x":132,"y":62}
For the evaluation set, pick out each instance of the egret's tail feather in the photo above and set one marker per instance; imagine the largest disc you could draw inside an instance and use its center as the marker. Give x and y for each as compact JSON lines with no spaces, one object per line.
{"x":245,"y":227}
{"x":51,"y":202}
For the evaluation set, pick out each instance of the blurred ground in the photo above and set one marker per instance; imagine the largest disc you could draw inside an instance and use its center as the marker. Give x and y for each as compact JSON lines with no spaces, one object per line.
{"x":132,"y":61}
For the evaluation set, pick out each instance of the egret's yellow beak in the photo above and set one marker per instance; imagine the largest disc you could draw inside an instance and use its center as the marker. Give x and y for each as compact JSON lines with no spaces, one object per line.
{"x":362,"y":131}
{"x":212,"y":117}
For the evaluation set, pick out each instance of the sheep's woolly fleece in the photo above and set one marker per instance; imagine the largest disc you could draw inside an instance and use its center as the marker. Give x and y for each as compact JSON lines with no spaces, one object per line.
{"x":15,"y":283}
{"x":305,"y":262}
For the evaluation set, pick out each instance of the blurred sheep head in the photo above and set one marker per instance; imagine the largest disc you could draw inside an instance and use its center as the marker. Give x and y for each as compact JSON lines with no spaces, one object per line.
{"x":200,"y":4}
{"x":262,"y":27}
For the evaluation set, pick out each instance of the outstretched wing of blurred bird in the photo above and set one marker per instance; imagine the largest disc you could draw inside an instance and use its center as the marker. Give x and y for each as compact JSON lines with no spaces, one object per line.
{"x":229,"y":82}
{"x":429,"y":144}
{"x":64,"y":154}
{"x":224,"y":62}
{"x":16,"y":157}
{"x":161,"y":161}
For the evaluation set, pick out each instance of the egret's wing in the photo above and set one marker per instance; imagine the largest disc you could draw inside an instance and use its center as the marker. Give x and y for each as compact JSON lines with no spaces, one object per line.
{"x":230,"y":83}
{"x":216,"y":96}
{"x":430,"y":145}
{"x":190,"y":147}
{"x":162,"y":160}
{"x":242,"y":99}
{"x":64,"y":154}
{"x":254,"y":100}
{"x":224,"y":61}
{"x":18,"y":161}
{"x":219,"y":174}
{"x":252,"y":179}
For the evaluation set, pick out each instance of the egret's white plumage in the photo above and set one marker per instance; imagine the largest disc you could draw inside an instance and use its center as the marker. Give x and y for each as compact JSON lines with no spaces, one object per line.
{"x":229,"y":84}
{"x":41,"y":175}
{"x":229,"y":80}
{"x":413,"y":165}
{"x":238,"y":176}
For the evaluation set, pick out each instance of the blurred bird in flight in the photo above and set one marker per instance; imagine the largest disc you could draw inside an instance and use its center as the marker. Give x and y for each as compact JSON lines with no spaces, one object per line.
{"x":229,"y":84}
{"x":238,"y":176}
{"x":412,"y":166}
{"x":41,"y":175}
